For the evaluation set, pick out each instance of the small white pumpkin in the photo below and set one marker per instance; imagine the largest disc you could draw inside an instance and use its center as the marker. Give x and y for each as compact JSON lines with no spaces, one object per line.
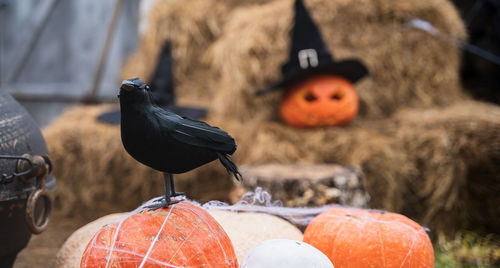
{"x":285,"y":253}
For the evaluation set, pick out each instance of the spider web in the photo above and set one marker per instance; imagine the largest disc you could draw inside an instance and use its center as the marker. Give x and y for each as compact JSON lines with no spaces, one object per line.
{"x":257,"y":201}
{"x":261,"y":201}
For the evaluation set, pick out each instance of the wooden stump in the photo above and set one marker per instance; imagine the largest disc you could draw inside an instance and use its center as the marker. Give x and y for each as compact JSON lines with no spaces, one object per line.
{"x":306,"y":184}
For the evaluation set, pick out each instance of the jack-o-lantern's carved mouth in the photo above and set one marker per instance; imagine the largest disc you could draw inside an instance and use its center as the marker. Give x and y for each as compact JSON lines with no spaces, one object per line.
{"x":319,"y":101}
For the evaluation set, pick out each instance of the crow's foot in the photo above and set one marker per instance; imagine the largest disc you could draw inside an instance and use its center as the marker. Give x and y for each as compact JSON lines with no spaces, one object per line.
{"x":162,"y":203}
{"x":159,"y":199}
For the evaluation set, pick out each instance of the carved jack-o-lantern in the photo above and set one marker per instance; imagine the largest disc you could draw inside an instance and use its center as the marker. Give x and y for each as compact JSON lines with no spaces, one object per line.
{"x":324,"y":100}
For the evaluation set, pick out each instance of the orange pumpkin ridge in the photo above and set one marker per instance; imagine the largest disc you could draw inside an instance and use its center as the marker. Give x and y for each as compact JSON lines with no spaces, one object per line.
{"x":182,"y":235}
{"x":325,"y":100}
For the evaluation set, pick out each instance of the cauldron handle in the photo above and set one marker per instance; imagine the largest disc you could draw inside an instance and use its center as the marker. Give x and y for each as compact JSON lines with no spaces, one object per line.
{"x":39,"y":195}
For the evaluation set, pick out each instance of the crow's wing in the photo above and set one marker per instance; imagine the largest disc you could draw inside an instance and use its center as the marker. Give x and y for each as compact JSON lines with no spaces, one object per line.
{"x":194,"y":132}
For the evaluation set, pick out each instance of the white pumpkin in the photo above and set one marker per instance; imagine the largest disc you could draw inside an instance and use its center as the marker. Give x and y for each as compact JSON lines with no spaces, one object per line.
{"x":285,"y":253}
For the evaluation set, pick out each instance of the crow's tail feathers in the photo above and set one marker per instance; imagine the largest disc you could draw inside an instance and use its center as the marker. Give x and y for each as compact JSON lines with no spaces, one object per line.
{"x":229,"y":165}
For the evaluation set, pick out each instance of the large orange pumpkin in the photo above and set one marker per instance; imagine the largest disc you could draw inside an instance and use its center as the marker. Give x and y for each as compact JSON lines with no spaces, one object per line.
{"x":182,"y":235}
{"x":367,"y":238}
{"x":324,"y":100}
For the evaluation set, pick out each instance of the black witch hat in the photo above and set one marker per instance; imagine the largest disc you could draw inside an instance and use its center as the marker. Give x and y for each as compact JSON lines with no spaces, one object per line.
{"x":309,"y":55}
{"x":162,"y":91}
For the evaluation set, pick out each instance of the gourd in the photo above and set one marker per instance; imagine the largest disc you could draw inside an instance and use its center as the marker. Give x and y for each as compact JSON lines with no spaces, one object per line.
{"x":285,"y":253}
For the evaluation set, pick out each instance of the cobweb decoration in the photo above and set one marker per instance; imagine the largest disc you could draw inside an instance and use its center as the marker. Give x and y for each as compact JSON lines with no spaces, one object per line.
{"x":182,"y":235}
{"x":261,"y":201}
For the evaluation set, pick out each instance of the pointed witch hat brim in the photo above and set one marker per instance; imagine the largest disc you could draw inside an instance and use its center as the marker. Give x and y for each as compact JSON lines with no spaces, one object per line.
{"x":113,"y":117}
{"x":310,"y":56}
{"x":350,"y":69}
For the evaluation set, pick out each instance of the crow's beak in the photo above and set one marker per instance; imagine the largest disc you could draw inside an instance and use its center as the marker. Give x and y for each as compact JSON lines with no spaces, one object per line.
{"x":127,"y":85}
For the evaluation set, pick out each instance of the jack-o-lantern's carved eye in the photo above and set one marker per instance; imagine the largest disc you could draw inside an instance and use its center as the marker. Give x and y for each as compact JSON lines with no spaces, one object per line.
{"x":309,"y":97}
{"x":319,"y":101}
{"x":336,"y":96}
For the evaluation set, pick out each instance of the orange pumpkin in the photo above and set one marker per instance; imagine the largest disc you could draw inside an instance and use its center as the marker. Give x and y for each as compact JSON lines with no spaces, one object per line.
{"x":182,"y":235}
{"x":367,"y":238}
{"x":324,"y":100}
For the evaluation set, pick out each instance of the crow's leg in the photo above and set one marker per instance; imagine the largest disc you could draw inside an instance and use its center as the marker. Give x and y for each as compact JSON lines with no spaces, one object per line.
{"x":172,"y":186}
{"x":170,"y":192}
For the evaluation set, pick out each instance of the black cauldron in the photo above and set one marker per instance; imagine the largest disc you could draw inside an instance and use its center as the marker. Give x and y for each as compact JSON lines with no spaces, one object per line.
{"x":25,"y":179}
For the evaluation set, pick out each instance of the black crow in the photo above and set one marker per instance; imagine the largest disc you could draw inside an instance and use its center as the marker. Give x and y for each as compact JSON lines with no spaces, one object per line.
{"x":167,"y":142}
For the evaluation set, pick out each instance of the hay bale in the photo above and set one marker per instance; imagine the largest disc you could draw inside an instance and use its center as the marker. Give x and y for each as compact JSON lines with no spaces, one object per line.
{"x":96,"y":176}
{"x":457,"y":153}
{"x":408,"y":67}
{"x":240,"y":227}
